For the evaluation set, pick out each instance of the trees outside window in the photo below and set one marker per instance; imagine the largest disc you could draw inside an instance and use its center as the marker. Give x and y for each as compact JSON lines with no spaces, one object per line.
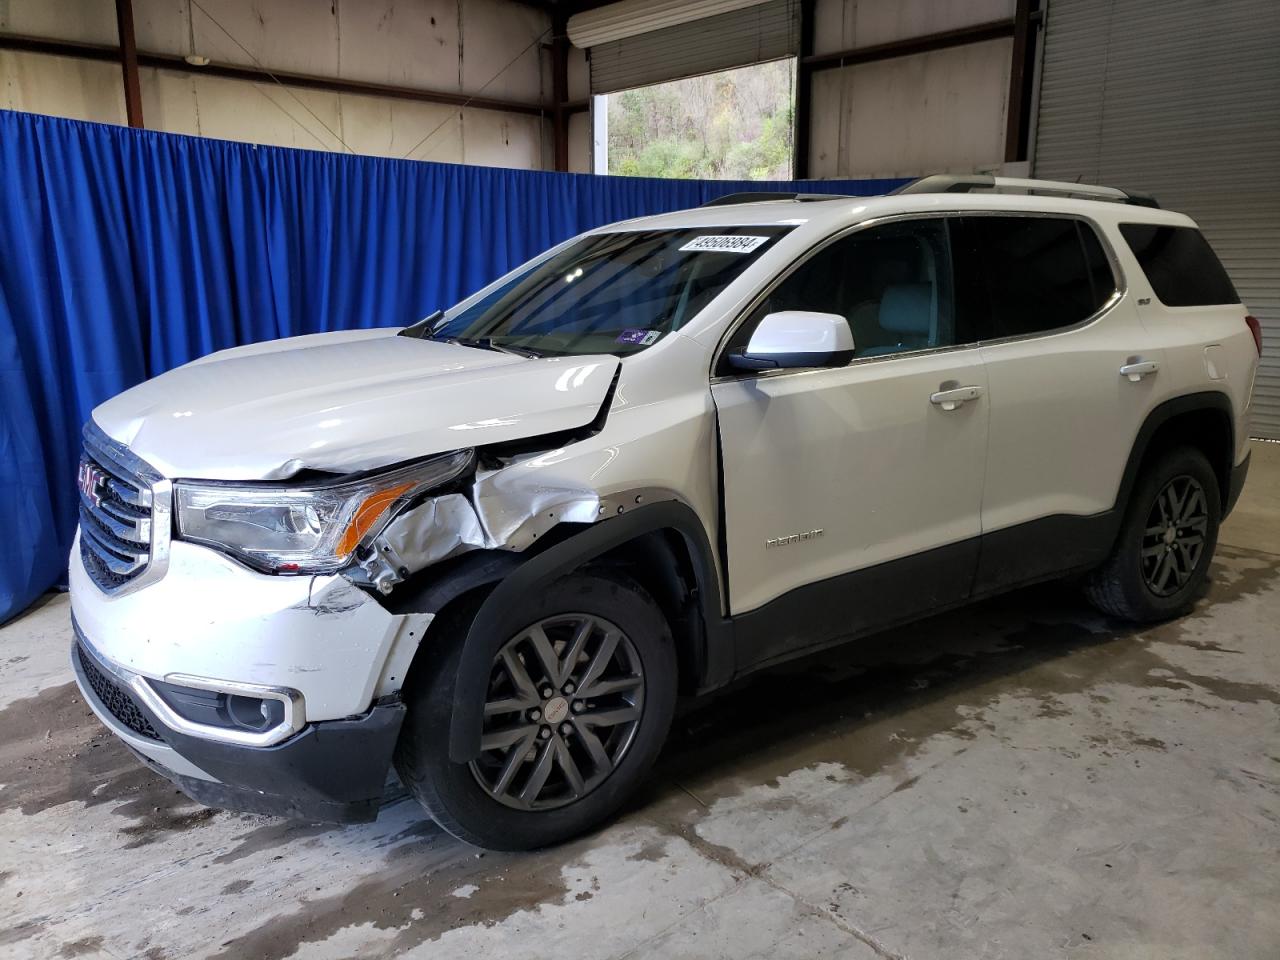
{"x":734,"y":125}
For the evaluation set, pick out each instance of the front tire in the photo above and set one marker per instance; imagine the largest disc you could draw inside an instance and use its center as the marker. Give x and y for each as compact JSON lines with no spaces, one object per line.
{"x":1161,"y":558}
{"x":579,"y":703}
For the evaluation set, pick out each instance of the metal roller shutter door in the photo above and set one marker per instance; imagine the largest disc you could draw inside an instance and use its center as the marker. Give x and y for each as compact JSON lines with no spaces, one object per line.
{"x":1182,"y":99}
{"x":767,"y":31}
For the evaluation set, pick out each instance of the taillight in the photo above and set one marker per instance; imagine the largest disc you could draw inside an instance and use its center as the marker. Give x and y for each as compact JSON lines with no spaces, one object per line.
{"x":1256,"y":329}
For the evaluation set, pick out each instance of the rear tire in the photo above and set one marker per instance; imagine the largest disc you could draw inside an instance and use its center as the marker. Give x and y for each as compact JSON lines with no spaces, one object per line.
{"x":1160,"y":561}
{"x":562,"y":764}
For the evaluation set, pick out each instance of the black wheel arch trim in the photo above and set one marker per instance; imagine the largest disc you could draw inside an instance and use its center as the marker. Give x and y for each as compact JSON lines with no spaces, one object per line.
{"x":433,"y":589}
{"x":494,"y":620}
{"x":1214,"y":400}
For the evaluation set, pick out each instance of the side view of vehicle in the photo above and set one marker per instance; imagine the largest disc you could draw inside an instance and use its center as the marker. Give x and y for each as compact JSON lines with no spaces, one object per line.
{"x":493,"y":548}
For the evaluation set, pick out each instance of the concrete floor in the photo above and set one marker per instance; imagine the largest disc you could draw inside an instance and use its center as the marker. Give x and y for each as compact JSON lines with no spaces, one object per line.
{"x":1022,"y":779}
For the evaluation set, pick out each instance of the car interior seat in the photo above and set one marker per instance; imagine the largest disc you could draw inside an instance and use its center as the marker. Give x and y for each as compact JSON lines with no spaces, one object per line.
{"x":908,"y":311}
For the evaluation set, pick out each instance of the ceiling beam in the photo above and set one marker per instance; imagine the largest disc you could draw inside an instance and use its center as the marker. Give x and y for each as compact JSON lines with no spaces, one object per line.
{"x":165,"y":61}
{"x":912,"y":45}
{"x":566,"y":7}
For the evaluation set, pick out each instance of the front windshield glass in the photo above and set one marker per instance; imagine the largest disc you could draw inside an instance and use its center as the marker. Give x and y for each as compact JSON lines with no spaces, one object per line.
{"x":609,"y":293}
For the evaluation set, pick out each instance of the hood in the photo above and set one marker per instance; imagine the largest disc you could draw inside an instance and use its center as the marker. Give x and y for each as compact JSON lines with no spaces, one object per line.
{"x":344,"y":402}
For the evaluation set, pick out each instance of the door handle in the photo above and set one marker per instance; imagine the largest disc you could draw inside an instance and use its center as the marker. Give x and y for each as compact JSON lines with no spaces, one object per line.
{"x":1136,"y":369}
{"x":954,"y":397}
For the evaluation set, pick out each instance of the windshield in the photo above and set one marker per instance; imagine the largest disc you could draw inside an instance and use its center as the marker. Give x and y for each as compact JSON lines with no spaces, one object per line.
{"x":609,"y":293}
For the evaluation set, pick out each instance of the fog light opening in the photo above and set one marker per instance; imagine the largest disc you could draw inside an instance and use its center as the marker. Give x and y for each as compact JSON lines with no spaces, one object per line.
{"x":253,"y":713}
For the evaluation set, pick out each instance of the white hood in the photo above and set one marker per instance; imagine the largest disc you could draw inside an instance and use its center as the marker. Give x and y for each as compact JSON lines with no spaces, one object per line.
{"x":344,"y":402}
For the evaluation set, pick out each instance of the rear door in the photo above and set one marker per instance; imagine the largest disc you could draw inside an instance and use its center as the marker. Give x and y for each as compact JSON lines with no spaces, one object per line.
{"x":1191,"y":310}
{"x":852,"y":495}
{"x":1046,"y":303}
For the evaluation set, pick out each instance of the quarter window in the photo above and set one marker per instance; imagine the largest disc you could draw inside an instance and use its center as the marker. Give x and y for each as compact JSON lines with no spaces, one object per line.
{"x":1180,"y":265}
{"x":1040,"y":273}
{"x":892,"y":283}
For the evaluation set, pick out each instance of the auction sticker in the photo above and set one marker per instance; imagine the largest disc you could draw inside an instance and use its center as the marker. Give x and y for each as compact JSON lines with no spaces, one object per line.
{"x":723,"y":244}
{"x":642,"y":337}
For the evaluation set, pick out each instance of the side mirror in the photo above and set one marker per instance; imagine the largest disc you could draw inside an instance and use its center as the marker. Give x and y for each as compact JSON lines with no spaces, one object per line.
{"x":796,"y":338}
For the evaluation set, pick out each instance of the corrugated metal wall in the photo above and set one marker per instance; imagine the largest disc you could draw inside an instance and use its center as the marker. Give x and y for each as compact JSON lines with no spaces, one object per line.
{"x":1180,"y":98}
{"x":765,"y":32}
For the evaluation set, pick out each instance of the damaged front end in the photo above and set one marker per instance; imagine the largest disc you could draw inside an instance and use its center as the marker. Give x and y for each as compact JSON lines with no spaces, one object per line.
{"x":513,"y":497}
{"x":378,"y":495}
{"x":495,"y":514}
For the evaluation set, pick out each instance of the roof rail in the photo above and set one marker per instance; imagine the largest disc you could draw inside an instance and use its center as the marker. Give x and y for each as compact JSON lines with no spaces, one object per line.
{"x":969,"y":183}
{"x":756,"y":196}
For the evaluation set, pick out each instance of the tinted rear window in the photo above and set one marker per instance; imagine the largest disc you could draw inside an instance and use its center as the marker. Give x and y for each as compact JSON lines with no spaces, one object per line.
{"x":1180,"y":264}
{"x":1042,"y":273}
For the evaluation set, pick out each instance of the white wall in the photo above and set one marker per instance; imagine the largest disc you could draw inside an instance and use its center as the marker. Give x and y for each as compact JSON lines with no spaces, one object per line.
{"x":937,"y":112}
{"x":454,"y":46}
{"x":62,"y":86}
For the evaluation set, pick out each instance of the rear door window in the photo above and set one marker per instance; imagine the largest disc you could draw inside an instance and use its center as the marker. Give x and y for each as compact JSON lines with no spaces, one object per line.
{"x":1181,"y":266}
{"x":1038,"y":274}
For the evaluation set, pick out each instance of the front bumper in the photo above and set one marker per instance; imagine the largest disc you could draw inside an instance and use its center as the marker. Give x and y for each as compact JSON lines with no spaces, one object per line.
{"x":208,"y":617}
{"x":328,"y":657}
{"x":333,"y":771}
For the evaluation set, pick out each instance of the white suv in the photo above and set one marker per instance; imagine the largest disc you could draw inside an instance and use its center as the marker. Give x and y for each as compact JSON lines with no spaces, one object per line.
{"x":493,"y":547}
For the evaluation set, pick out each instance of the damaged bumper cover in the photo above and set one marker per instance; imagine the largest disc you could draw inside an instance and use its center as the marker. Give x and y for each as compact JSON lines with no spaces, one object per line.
{"x":249,"y":691}
{"x":211,"y":618}
{"x":334,"y":771}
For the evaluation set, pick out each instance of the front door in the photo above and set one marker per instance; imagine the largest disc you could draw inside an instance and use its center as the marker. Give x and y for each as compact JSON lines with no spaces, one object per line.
{"x":853,"y":495}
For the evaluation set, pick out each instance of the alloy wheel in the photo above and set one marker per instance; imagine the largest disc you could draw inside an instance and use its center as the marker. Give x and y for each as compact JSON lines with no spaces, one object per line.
{"x":565,"y":698}
{"x":1174,"y":536}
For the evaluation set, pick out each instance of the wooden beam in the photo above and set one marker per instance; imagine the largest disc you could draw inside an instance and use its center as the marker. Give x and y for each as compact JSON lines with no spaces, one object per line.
{"x":164,"y":61}
{"x":129,"y":62}
{"x":560,"y":91}
{"x":911,"y":45}
{"x":802,"y":121}
{"x":1021,"y":69}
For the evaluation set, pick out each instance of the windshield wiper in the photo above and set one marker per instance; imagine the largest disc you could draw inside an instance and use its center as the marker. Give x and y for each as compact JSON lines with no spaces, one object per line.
{"x":422,"y":330}
{"x":419,"y":330}
{"x":486,"y":343}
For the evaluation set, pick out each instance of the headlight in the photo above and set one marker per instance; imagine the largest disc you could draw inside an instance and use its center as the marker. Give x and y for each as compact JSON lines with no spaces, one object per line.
{"x":309,"y":528}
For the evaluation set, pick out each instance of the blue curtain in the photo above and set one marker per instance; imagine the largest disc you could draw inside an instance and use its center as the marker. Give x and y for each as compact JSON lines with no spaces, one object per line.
{"x":126,"y":253}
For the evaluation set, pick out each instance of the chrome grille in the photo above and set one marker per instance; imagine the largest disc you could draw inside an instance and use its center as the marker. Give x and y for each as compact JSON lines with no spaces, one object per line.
{"x":124,"y":514}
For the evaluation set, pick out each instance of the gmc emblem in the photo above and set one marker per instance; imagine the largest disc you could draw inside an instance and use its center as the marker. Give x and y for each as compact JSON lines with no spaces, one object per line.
{"x":89,"y":479}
